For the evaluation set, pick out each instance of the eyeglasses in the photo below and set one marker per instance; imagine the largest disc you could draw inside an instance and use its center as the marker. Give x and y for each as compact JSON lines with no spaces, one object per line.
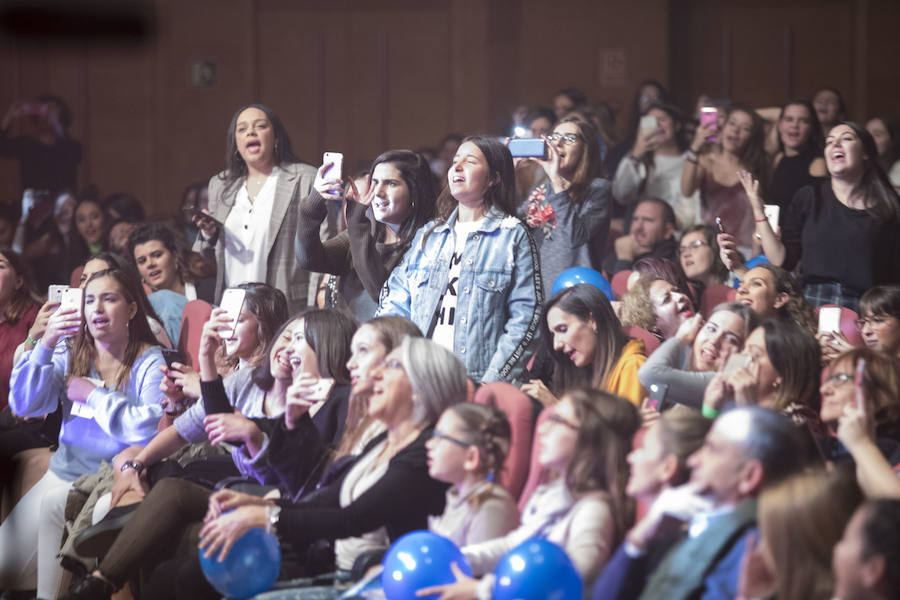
{"x":437,"y":435}
{"x":567,"y":138}
{"x":391,"y":364}
{"x":558,"y":420}
{"x":875,"y":321}
{"x":692,"y":246}
{"x":838,"y":379}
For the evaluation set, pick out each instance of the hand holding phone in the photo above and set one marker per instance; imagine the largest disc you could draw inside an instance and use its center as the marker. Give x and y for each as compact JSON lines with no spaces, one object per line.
{"x":333,"y":164}
{"x":709,"y":117}
{"x":528,"y":148}
{"x":232,"y":305}
{"x":830,"y":319}
{"x":55,"y":293}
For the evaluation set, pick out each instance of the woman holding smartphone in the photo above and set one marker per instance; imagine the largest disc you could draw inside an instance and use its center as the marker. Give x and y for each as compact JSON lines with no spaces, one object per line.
{"x":471,"y":279}
{"x":571,"y":211}
{"x":654,"y":165}
{"x":107,"y":381}
{"x":254,"y":208}
{"x":380,"y":227}
{"x":713,"y":169}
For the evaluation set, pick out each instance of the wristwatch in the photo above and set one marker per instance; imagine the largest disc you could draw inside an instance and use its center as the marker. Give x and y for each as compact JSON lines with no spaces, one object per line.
{"x":137,"y":465}
{"x":273,"y":513}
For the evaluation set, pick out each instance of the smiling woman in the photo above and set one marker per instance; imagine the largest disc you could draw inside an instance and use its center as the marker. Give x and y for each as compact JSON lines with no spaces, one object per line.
{"x":381,"y":222}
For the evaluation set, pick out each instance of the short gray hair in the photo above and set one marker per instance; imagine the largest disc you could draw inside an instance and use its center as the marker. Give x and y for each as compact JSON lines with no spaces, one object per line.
{"x":437,"y":377}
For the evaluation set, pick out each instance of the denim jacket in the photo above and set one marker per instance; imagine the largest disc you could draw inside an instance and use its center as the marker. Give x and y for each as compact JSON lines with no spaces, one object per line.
{"x":500,"y":292}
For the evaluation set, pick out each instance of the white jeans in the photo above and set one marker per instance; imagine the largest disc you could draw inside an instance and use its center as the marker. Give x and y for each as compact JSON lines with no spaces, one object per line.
{"x":30,"y":539}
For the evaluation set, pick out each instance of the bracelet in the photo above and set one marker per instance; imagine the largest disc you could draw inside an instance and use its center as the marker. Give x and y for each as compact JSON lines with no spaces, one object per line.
{"x":762,"y":220}
{"x":709,"y":412}
{"x":693,"y":161}
{"x":30,"y":340}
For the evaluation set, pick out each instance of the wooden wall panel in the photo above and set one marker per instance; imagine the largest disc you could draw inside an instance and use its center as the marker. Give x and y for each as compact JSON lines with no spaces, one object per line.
{"x":362,"y":76}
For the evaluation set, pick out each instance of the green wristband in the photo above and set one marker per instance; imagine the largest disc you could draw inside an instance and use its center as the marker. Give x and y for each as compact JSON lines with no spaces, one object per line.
{"x":30,"y":340}
{"x":709,"y":412}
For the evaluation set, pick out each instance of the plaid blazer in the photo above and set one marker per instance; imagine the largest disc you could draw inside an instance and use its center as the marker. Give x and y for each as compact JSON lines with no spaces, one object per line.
{"x":294,"y":183}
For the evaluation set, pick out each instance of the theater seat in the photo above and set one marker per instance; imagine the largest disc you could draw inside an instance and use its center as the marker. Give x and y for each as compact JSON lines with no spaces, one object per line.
{"x":619,"y":283}
{"x":194,"y":315}
{"x":536,"y":474}
{"x":651,"y":342}
{"x":715,"y":295}
{"x":517,"y":408}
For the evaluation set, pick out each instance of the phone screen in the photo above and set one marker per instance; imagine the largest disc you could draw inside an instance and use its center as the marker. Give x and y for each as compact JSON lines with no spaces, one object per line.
{"x":709,"y":114}
{"x":829,"y":319}
{"x":232,"y":304}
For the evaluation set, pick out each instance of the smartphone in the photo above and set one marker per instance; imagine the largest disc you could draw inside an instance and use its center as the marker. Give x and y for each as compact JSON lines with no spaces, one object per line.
{"x":173,"y":356}
{"x":232,"y":304}
{"x":73,"y":298}
{"x":719,"y":225}
{"x":191,"y":211}
{"x":657,"y":397}
{"x":709,"y":114}
{"x":55,"y":293}
{"x":736,"y":361}
{"x":649,"y":123}
{"x":829,"y":319}
{"x":773,"y":212}
{"x":322,"y":389}
{"x":336,"y":169}
{"x":528,"y":148}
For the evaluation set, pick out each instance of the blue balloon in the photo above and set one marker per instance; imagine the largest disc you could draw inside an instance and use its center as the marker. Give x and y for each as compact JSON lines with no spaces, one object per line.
{"x":419,"y":559}
{"x":759,"y":259}
{"x":250,"y":568}
{"x":577,"y":275}
{"x":536,"y":570}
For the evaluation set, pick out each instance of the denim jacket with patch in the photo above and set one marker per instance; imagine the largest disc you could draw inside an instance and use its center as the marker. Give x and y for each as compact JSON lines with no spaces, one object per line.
{"x":499,"y":292}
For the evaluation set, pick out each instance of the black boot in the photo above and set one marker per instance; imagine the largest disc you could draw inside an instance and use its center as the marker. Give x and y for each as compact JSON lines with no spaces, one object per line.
{"x":90,"y":588}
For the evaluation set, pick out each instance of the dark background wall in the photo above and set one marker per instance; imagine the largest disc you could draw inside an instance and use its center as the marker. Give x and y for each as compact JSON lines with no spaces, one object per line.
{"x":362,"y":76}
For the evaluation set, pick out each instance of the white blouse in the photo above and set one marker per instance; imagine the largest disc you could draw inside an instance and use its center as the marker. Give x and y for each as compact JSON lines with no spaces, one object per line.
{"x":247,"y":234}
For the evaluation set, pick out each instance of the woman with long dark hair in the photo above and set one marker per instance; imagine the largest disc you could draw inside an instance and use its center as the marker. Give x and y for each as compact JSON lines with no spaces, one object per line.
{"x":380,"y":226}
{"x":797,"y":150}
{"x":471,"y":278}
{"x":254,"y":208}
{"x":571,"y":210}
{"x":654,"y":165}
{"x":846,"y":229}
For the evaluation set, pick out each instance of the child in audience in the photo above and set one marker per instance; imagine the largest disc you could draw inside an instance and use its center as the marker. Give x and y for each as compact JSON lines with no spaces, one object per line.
{"x":583,"y":443}
{"x":467,"y":449}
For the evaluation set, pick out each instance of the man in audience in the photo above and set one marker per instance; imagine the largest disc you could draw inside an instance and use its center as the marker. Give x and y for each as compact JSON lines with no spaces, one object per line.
{"x":652,"y":234}
{"x":746,"y":450}
{"x":866,"y":562}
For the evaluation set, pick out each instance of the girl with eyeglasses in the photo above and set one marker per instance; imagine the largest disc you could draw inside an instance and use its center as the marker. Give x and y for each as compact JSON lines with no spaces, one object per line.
{"x":569,"y":214}
{"x":583,"y":443}
{"x":467,"y":449}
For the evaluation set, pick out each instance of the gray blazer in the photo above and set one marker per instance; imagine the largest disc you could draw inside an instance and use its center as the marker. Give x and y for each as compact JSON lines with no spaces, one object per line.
{"x":283,"y":272}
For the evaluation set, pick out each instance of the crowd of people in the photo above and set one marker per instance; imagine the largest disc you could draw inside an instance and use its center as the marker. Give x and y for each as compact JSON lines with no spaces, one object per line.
{"x":725,"y":424}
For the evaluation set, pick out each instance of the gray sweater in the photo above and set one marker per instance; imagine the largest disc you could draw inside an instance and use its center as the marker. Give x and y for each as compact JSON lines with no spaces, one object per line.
{"x":566,"y":245}
{"x":668,"y":365}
